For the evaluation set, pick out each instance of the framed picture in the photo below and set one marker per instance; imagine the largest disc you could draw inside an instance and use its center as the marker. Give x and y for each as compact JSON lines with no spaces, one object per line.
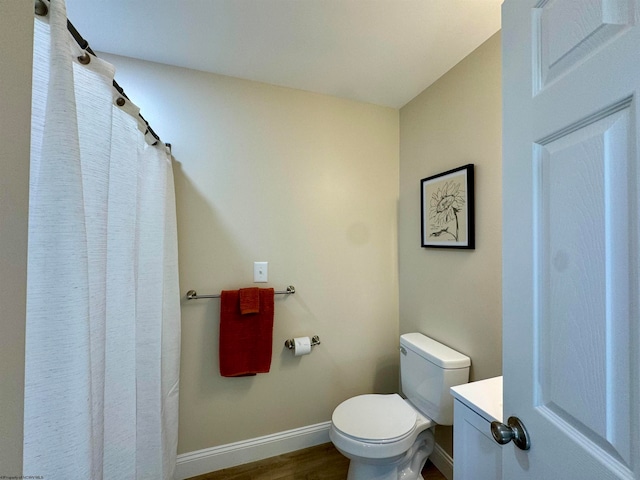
{"x":448,"y":209}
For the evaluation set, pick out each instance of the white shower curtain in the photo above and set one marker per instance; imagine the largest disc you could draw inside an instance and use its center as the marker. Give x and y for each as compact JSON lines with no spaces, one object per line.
{"x":103,"y":319}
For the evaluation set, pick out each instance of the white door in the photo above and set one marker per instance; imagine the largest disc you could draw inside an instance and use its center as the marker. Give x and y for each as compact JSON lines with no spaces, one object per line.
{"x":571,"y":189}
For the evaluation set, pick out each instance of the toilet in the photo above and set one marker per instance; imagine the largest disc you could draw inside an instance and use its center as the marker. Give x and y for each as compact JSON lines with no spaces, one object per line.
{"x":387,"y":437}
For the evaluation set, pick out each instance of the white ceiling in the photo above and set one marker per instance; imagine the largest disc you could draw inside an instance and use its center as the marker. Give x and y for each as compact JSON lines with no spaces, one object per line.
{"x":378,"y":51}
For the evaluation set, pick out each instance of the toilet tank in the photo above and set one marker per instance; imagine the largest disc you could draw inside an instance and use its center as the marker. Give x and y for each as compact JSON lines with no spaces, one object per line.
{"x":427,"y":370}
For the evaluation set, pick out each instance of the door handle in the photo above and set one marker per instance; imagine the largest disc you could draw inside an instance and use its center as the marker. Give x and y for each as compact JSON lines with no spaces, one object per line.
{"x":513,"y":430}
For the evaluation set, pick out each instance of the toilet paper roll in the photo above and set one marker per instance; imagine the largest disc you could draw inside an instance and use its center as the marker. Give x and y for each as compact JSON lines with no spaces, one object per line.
{"x":301,"y":346}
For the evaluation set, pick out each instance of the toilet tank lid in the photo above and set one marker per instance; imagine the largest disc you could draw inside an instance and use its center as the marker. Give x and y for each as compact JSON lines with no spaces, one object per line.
{"x":434,"y":351}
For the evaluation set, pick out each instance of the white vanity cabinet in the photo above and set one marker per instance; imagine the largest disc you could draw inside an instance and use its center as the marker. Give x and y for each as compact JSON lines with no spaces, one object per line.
{"x":476,"y":454}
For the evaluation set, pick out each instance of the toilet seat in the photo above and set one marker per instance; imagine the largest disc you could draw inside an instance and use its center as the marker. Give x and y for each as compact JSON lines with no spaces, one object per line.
{"x":377,"y":419}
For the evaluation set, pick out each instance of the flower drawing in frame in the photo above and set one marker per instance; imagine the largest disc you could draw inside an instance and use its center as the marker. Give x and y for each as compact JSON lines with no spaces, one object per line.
{"x":444,"y":206}
{"x":448,"y":209}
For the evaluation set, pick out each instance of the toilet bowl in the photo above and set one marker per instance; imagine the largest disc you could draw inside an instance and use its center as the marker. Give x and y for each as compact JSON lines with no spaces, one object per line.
{"x":387,"y":437}
{"x":382,"y":435}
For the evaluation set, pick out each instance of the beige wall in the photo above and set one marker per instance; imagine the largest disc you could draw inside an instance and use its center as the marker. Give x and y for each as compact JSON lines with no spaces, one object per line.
{"x":16,"y":44}
{"x":452,"y":295}
{"x":308,"y":183}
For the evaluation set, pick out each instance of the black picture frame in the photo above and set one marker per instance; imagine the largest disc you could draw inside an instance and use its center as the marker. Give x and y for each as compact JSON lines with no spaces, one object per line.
{"x":448,"y":209}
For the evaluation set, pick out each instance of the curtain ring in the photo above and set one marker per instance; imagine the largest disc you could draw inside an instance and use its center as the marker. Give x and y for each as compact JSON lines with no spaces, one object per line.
{"x":85,"y":59}
{"x":41,"y":8}
{"x":120,"y":101}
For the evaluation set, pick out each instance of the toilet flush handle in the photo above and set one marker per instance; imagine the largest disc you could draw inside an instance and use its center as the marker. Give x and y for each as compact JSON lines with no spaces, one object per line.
{"x":514,"y":430}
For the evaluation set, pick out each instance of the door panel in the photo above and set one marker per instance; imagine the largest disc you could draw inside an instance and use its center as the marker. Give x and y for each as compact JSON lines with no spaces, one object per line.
{"x":582,"y":322}
{"x":563,"y":39}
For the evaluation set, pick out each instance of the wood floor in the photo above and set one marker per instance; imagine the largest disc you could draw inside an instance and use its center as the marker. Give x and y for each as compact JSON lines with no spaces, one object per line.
{"x":323,"y":462}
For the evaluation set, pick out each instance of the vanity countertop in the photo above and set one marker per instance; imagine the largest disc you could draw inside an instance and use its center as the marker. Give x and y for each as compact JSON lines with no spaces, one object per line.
{"x":484,"y":397}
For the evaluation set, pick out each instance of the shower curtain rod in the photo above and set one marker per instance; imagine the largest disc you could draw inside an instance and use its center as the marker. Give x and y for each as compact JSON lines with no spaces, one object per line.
{"x":41,"y":9}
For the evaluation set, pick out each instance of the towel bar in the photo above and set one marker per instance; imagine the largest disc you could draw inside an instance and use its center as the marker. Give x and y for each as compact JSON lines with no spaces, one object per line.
{"x":193,"y":295}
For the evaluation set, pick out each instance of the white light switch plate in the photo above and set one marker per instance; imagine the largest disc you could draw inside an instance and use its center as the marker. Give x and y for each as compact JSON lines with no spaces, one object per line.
{"x":260,"y":272}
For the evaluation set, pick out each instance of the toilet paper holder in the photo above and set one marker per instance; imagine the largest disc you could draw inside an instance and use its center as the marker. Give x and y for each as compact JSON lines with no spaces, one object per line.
{"x":290,"y":344}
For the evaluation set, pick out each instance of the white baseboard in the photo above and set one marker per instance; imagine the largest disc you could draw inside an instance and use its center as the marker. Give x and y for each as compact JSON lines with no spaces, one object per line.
{"x":443,"y":461}
{"x":233,"y":454}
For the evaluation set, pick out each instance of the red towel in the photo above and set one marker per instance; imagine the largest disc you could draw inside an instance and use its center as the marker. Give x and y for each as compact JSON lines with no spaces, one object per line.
{"x":245,"y":340}
{"x":249,"y":300}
